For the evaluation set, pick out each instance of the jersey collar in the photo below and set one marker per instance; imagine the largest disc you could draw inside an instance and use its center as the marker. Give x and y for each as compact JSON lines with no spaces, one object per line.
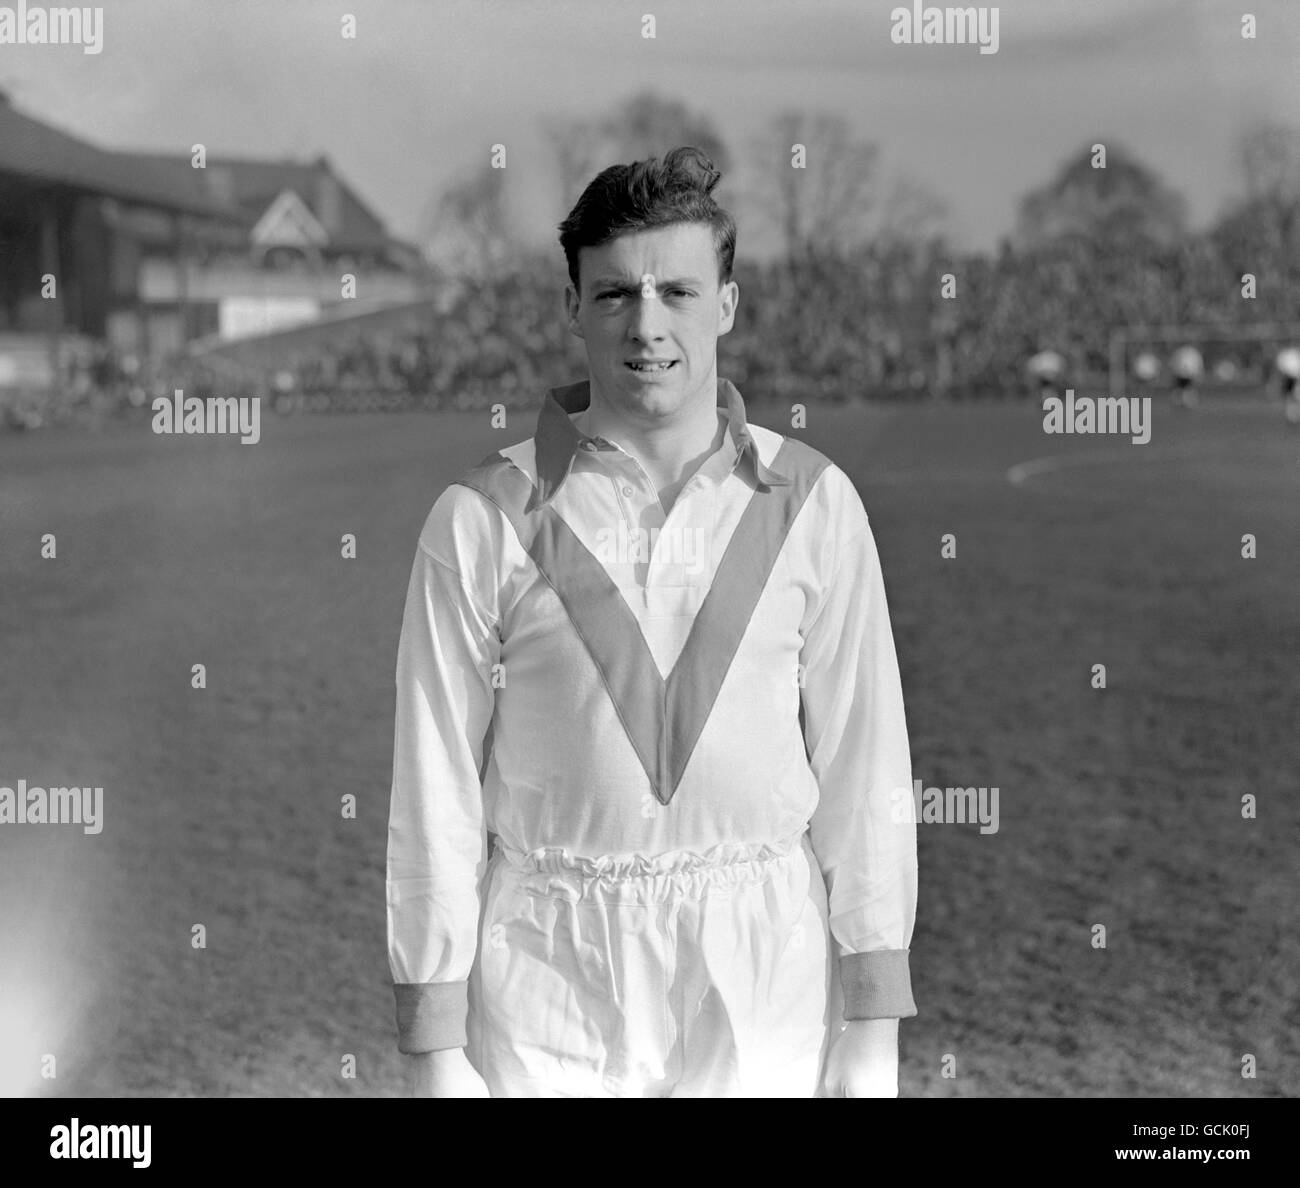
{"x":558,"y":440}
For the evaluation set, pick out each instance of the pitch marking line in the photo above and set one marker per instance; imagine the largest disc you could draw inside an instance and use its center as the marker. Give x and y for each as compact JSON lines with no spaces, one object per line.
{"x":1051,"y":463}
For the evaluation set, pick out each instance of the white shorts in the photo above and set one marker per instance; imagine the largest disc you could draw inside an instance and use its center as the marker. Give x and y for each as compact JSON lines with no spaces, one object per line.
{"x":685,"y":975}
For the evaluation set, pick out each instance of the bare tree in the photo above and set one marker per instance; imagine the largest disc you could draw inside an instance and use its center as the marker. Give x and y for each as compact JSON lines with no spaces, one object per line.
{"x":574,"y":147}
{"x":1270,"y":163}
{"x":1259,"y":231}
{"x":816,"y":183}
{"x":909,"y":213}
{"x":1270,"y":167}
{"x":646,"y":125}
{"x":467,"y":230}
{"x":1120,"y":202}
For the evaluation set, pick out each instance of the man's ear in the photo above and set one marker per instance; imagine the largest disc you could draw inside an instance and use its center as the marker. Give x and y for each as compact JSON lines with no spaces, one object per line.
{"x":728,"y":299}
{"x":571,"y":302}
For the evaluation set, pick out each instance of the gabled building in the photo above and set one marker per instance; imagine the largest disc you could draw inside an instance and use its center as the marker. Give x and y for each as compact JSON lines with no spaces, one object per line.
{"x":307,"y":230}
{"x":150,"y":253}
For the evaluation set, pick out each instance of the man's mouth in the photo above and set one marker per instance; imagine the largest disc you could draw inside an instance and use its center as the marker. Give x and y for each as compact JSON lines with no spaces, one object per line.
{"x":650,"y":365}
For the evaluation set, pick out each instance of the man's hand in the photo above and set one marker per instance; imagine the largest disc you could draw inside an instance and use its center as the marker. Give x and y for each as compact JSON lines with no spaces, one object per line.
{"x":446,"y":1073}
{"x":863,"y":1060}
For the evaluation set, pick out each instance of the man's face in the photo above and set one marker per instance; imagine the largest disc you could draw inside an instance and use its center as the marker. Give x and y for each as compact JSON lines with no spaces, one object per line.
{"x":650,"y":299}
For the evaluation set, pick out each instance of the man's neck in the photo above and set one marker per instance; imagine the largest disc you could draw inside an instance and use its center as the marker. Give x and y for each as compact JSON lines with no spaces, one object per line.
{"x":669,"y":450}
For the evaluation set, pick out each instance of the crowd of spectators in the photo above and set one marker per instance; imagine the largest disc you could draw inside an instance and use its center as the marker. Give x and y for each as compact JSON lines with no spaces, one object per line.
{"x":874,"y":323}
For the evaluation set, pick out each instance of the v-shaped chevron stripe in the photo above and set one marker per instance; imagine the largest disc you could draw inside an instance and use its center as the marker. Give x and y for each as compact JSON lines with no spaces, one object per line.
{"x":663,"y":719}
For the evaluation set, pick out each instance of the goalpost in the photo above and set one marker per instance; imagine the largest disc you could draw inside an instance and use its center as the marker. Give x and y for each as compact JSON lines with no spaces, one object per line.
{"x":1271,"y":336}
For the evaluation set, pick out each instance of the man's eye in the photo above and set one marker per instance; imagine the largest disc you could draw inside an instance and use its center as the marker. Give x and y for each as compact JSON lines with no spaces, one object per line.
{"x":609,"y":295}
{"x":681,"y":293}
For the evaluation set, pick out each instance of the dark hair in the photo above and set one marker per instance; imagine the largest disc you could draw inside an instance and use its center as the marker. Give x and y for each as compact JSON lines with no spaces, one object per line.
{"x":649,"y":194}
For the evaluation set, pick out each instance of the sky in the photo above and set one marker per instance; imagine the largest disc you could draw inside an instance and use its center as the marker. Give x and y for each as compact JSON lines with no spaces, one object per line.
{"x":416,"y":100}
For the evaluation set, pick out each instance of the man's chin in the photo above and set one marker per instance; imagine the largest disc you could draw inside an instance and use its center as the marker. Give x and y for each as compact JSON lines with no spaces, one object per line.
{"x":659,"y":394}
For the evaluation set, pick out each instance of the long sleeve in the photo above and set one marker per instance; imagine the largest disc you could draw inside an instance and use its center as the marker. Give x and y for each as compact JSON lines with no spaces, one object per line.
{"x":863,"y":832}
{"x":436,"y":837}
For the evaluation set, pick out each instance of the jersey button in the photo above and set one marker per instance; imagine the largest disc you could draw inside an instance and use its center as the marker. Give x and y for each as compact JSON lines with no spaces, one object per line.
{"x":627,"y":490}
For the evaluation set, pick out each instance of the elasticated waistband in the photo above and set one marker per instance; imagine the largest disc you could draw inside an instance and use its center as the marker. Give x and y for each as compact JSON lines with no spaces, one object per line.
{"x":639,"y":878}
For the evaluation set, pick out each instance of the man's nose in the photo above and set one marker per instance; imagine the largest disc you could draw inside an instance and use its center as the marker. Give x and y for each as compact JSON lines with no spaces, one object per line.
{"x":648,"y":318}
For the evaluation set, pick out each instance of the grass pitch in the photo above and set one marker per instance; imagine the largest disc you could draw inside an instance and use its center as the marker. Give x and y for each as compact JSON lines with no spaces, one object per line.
{"x":1119,"y":807}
